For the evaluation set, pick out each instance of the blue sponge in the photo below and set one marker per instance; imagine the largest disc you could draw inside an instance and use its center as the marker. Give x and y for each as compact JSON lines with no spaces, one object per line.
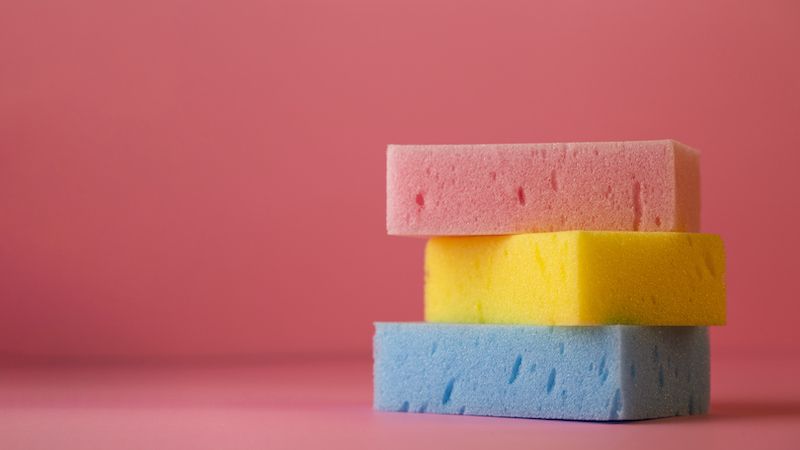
{"x":603,"y":373}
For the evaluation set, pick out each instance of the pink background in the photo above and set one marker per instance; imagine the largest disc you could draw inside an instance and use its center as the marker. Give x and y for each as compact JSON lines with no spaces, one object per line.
{"x":183,"y":178}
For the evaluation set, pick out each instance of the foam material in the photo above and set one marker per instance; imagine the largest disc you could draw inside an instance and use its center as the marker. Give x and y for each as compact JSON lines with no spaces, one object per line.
{"x":577,"y":278}
{"x":580,"y":373}
{"x":440,"y":190}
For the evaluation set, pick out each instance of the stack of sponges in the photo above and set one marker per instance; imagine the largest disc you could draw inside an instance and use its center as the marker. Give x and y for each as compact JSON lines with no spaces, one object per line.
{"x":565,"y":281}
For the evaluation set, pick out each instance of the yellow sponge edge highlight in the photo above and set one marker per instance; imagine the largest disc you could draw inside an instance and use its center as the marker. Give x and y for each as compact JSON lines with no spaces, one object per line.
{"x":577,"y":278}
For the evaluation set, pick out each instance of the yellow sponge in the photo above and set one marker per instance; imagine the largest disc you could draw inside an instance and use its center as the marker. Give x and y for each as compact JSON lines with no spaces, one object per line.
{"x":577,"y":278}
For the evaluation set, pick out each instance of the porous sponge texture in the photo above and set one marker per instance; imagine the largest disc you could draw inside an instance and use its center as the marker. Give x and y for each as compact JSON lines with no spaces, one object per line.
{"x":442,"y":190}
{"x":577,"y":278}
{"x":580,"y":373}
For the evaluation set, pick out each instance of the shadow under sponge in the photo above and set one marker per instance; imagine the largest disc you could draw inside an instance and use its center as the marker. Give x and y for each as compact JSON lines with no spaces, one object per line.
{"x":607,"y":373}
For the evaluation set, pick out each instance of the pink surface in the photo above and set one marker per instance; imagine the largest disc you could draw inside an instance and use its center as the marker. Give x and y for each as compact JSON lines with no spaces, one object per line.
{"x":183,"y":179}
{"x":326,"y":404}
{"x":518,"y":188}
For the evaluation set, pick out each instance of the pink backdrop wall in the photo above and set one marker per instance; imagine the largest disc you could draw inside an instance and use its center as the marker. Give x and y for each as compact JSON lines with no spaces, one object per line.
{"x":185,"y":178}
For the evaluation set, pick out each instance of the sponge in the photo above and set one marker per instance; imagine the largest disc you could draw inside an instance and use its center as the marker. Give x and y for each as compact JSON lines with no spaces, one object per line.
{"x":439,"y":190}
{"x":577,"y":278}
{"x":581,"y":373}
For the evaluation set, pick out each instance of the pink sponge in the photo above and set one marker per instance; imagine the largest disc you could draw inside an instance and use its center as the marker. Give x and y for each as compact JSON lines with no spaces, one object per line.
{"x":435,"y":190}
